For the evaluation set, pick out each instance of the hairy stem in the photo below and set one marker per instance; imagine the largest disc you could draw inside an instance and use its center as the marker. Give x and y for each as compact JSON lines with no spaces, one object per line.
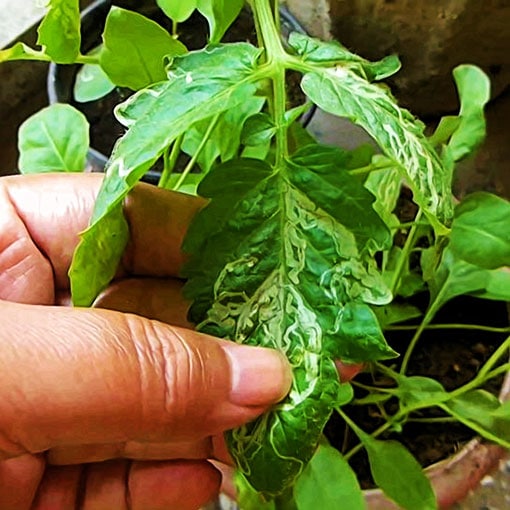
{"x":276,"y":57}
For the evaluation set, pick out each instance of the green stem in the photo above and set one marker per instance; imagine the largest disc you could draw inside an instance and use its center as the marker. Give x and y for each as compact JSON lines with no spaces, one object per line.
{"x":169,"y":161}
{"x":404,"y":255}
{"x":193,"y":160}
{"x":358,"y":432}
{"x":373,"y":389}
{"x":370,"y":168}
{"x":276,"y":58}
{"x":474,"y":327}
{"x":431,"y":312}
{"x":411,"y":224}
{"x":494,"y":358}
{"x":444,"y":419}
{"x":87,"y":59}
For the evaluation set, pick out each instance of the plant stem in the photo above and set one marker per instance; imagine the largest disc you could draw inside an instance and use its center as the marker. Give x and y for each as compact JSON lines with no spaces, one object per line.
{"x":276,"y":58}
{"x":370,"y":168}
{"x":357,"y":430}
{"x":474,"y":327}
{"x":87,"y":59}
{"x":193,"y":160}
{"x":404,"y":256}
{"x":444,"y":419}
{"x":169,"y":161}
{"x":431,"y":312}
{"x":494,"y":358}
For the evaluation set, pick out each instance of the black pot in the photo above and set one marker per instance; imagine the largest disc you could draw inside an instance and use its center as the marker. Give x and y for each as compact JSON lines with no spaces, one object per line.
{"x":61,"y":78}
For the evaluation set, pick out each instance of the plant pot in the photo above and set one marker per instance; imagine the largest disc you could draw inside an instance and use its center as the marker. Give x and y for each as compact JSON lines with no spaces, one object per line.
{"x":104,"y":127}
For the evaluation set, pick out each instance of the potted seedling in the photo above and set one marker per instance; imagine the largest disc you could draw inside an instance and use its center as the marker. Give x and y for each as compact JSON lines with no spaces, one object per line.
{"x":303,"y":247}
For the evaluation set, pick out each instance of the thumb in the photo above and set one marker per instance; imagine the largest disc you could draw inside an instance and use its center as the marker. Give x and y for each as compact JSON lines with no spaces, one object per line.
{"x":77,"y":376}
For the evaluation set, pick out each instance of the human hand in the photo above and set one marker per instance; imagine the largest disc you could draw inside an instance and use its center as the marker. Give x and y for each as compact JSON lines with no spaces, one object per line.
{"x":101,"y":409}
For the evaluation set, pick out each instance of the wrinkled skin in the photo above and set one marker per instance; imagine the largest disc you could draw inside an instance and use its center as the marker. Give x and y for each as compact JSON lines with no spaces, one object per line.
{"x":102,"y":408}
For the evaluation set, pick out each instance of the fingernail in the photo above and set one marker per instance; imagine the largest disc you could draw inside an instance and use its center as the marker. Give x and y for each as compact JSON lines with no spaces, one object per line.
{"x":259,"y":376}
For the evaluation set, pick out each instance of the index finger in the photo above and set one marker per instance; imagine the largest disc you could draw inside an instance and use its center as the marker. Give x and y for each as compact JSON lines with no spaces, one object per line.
{"x":51,"y":209}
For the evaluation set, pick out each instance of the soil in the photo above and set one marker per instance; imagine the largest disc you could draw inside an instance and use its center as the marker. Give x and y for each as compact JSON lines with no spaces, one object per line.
{"x":452,"y":357}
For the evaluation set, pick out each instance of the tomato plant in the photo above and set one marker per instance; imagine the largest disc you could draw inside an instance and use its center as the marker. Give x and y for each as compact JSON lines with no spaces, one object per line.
{"x":296,"y":248}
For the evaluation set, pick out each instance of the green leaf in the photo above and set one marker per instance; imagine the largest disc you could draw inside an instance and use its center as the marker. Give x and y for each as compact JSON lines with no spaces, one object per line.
{"x":385,"y":185}
{"x":248,"y":498}
{"x":395,"y":312}
{"x":341,"y":92}
{"x":282,"y":270}
{"x":399,"y":474}
{"x":455,"y":277}
{"x":55,"y":139}
{"x":347,"y":198}
{"x":92,"y":82}
{"x":177,"y":10}
{"x":218,"y":145}
{"x":485,"y":411}
{"x":220,"y":14}
{"x":328,"y":482}
{"x":59,"y":31}
{"x":135,"y":48}
{"x":498,"y":285}
{"x":189,"y":185}
{"x":109,"y":239}
{"x":410,"y":281}
{"x":214,"y":77}
{"x":20,"y":51}
{"x":259,"y":128}
{"x":334,"y":53}
{"x":474,"y":92}
{"x":417,"y":392}
{"x":481,"y":231}
{"x":363,"y":339}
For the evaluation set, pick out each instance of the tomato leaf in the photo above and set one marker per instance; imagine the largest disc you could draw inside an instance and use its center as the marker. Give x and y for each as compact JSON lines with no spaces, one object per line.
{"x":177,"y":10}
{"x":340,"y":91}
{"x":138,"y":60}
{"x":285,"y":271}
{"x":55,"y":139}
{"x":332,"y":53}
{"x":59,"y":31}
{"x":91,"y":81}
{"x":196,"y":80}
{"x":20,"y":51}
{"x":220,"y":14}
{"x":219,"y":146}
